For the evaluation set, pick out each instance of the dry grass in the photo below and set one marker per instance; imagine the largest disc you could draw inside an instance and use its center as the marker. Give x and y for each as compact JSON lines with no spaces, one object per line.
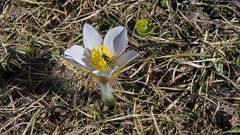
{"x":186,"y":81}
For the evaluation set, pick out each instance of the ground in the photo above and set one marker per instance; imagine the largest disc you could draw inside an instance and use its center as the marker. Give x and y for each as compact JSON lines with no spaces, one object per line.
{"x":185,"y":81}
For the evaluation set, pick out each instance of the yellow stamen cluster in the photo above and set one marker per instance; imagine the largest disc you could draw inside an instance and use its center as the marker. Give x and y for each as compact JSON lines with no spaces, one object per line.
{"x":97,"y":60}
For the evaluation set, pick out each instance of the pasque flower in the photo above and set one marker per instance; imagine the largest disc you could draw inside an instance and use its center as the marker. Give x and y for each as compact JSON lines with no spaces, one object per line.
{"x":103,"y":57}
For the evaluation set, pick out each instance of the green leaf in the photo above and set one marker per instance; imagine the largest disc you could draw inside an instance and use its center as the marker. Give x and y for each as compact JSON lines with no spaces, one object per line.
{"x":164,"y":3}
{"x":24,"y":49}
{"x":219,"y":67}
{"x":143,"y":26}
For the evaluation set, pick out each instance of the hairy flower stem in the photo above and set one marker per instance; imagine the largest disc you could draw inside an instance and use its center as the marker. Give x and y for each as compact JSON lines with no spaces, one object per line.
{"x":106,"y":91}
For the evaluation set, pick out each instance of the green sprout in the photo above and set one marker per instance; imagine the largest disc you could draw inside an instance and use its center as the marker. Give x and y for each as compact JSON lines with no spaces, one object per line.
{"x":164,"y":3}
{"x":143,"y":27}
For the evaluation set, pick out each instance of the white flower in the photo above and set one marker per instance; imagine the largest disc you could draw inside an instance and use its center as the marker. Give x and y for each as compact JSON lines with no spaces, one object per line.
{"x":103,"y":57}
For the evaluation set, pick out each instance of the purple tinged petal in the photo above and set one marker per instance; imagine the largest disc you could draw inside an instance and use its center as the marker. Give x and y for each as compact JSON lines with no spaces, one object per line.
{"x":91,"y":37}
{"x":105,"y":74}
{"x":127,"y":57}
{"x":116,"y":40}
{"x":76,"y":55}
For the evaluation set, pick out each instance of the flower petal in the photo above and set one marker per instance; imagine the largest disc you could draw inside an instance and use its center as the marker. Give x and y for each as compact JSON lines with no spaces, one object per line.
{"x":76,"y":55}
{"x":116,"y":40}
{"x":106,"y":74}
{"x":126,"y":58}
{"x":91,"y":37}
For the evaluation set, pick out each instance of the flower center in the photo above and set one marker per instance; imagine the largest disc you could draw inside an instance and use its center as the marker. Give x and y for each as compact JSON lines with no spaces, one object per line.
{"x":101,"y":58}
